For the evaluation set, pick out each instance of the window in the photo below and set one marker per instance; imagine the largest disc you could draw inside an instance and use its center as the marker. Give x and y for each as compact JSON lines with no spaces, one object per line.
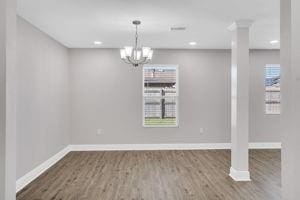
{"x":160,"y":96}
{"x":272,"y":89}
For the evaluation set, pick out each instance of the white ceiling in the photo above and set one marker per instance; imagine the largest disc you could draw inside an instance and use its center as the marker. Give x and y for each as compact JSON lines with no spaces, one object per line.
{"x":78,"y":23}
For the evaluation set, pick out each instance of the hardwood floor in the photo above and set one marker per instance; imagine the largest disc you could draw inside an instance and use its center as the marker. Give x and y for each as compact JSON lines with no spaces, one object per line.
{"x":154,"y":175}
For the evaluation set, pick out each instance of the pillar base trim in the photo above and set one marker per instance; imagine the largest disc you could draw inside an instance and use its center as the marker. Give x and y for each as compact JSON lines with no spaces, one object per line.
{"x":239,"y":175}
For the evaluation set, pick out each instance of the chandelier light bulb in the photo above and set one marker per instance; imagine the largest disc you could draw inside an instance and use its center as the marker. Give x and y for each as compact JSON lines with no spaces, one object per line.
{"x":146,"y":51}
{"x":150,"y":55}
{"x":128,"y":51}
{"x":123,"y":53}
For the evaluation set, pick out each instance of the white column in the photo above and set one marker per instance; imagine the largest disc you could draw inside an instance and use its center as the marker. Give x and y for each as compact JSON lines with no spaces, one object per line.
{"x":7,"y":100}
{"x":240,"y":69}
{"x":290,"y":65}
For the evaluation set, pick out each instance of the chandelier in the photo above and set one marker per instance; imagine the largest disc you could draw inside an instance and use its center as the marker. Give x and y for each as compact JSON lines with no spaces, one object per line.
{"x":136,"y":55}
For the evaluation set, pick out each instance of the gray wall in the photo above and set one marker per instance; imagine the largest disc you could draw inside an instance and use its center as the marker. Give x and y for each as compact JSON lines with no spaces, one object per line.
{"x":43,"y":97}
{"x":263,"y":128}
{"x":107,"y":94}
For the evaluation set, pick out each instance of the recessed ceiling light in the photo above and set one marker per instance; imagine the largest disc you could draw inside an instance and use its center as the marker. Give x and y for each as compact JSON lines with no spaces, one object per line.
{"x":97,"y":42}
{"x":274,"y":41}
{"x":192,"y":43}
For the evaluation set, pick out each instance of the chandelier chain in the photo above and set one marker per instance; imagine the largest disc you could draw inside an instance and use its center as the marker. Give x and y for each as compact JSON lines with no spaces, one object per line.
{"x":136,"y":37}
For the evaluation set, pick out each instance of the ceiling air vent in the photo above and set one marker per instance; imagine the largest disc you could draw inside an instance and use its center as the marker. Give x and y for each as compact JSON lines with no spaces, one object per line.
{"x":179,"y":28}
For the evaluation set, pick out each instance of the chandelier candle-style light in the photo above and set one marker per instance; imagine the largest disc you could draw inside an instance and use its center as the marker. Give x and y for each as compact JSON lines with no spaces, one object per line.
{"x":136,"y":55}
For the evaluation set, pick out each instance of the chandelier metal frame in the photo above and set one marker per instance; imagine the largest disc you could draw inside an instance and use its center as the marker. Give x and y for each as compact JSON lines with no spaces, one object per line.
{"x":136,"y":55}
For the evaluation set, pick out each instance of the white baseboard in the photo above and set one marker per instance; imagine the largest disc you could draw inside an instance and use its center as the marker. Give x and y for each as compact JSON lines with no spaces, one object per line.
{"x":33,"y":174}
{"x":239,"y":175}
{"x":182,"y":146}
{"x":261,"y":145}
{"x":136,"y":147}
{"x":30,"y":176}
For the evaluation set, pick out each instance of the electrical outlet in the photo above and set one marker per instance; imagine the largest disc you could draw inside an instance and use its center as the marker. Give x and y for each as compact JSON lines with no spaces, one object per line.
{"x":201,"y":131}
{"x":99,"y":131}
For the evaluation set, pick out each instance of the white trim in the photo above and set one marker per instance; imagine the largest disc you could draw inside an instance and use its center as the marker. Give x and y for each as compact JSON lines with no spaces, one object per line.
{"x":133,"y":147}
{"x":244,"y":23}
{"x":239,"y":175}
{"x":261,"y":145}
{"x":33,"y":174}
{"x":179,"y":146}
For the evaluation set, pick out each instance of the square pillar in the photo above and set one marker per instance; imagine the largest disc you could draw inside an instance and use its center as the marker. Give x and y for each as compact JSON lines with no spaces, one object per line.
{"x":7,"y":100}
{"x":290,"y":83}
{"x":240,"y":71}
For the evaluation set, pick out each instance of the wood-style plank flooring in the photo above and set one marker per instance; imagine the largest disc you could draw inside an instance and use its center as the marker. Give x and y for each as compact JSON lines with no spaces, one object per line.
{"x":155,"y":175}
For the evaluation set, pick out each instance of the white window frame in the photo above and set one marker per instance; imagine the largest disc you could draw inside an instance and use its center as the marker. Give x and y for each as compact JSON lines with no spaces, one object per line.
{"x":177,"y":95}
